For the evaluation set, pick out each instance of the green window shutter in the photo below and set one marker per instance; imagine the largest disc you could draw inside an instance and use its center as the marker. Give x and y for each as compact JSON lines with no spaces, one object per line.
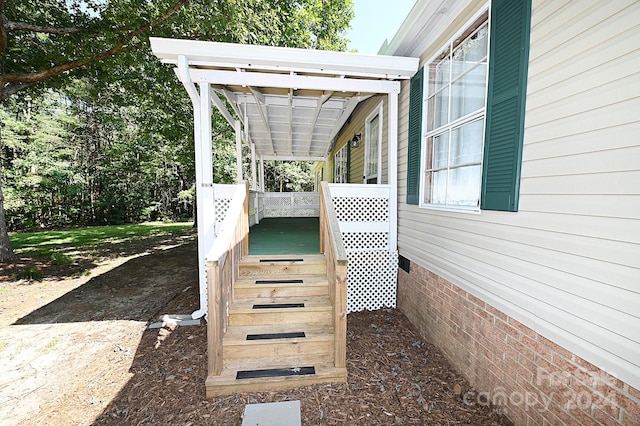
{"x":415,"y":137}
{"x":508,"y":63}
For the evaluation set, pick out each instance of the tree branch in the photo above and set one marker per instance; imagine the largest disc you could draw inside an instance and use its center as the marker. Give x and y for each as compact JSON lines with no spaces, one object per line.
{"x":9,"y":82}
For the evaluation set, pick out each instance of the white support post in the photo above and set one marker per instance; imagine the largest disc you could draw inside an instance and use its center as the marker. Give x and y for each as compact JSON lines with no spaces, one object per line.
{"x":392,"y":156}
{"x":325,"y":174}
{"x":292,"y":200}
{"x":202,"y":197}
{"x":262,"y":188}
{"x":254,"y":173}
{"x":257,"y":204}
{"x":238,"y":129}
{"x":204,"y":191}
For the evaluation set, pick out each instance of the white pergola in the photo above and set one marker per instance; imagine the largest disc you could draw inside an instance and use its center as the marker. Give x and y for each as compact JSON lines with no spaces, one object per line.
{"x":286,"y":104}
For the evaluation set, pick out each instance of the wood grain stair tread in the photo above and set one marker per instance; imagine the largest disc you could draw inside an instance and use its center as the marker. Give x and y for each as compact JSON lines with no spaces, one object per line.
{"x":227,"y":383}
{"x":284,"y":259}
{"x":263,"y":266}
{"x":239,"y":333}
{"x":277,"y":286}
{"x":281,"y":280}
{"x":310,"y":303}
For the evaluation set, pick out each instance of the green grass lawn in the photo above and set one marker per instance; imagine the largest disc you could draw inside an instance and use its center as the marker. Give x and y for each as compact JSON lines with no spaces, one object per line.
{"x":49,"y":244}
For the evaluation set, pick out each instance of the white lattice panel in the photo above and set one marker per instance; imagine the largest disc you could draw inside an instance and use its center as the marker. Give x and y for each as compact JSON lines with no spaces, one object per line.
{"x":277,"y":201}
{"x":358,"y":209}
{"x":371,"y":280}
{"x":306,"y":200}
{"x":291,"y":204}
{"x":271,"y":212}
{"x":363,"y":214}
{"x":365,"y":240}
{"x":302,"y":212}
{"x":221,"y":206}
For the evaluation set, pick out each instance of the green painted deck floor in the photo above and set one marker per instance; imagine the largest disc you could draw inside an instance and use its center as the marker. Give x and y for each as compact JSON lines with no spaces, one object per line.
{"x":300,"y":235}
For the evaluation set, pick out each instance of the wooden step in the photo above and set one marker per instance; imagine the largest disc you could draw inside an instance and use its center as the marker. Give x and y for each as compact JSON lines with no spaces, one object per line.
{"x":241,"y":332}
{"x":263,"y":266}
{"x":227,"y":383}
{"x":281,"y":286}
{"x":280,"y":328}
{"x":317,"y":343}
{"x":316,"y":310}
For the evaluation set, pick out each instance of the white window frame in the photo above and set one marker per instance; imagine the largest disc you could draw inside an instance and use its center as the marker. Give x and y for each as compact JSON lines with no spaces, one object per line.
{"x":376,"y":140}
{"x":427,"y":133}
{"x":340,"y":165}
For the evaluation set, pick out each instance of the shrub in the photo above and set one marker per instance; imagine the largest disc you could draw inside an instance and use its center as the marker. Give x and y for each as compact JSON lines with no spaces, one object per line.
{"x":30,"y":273}
{"x":61,"y":259}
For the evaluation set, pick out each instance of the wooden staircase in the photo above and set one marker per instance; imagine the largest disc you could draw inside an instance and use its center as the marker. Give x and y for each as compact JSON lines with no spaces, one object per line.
{"x":280,"y":331}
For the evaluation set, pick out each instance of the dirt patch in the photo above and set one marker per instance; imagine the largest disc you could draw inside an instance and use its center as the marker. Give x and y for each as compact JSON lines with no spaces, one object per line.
{"x":67,"y":344}
{"x":110,"y":370}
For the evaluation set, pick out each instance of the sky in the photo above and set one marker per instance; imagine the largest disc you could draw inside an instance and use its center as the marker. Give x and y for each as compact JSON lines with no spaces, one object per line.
{"x":375,"y":21}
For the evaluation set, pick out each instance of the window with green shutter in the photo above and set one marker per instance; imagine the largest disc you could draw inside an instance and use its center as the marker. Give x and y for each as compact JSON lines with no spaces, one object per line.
{"x":508,"y":63}
{"x":475,"y":92}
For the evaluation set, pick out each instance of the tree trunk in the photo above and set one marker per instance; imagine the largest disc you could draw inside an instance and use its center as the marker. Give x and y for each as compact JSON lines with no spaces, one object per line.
{"x":6,"y":251}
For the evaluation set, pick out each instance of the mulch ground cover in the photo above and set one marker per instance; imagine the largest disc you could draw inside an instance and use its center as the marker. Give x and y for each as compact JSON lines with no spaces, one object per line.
{"x":395,"y":378}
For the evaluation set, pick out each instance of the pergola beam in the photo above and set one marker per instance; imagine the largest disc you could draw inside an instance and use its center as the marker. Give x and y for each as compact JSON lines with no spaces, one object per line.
{"x":291,"y":158}
{"x":287,"y":81}
{"x":284,"y":59}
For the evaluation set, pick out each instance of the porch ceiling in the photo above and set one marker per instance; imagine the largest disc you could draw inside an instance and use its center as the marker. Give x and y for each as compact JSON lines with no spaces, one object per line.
{"x":291,"y":102}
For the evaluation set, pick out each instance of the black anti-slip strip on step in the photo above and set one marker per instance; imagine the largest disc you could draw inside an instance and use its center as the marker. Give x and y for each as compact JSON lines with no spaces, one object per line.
{"x":275,"y":372}
{"x":269,"y":336}
{"x":281,"y":260}
{"x":279,"y":281}
{"x":279,"y":305}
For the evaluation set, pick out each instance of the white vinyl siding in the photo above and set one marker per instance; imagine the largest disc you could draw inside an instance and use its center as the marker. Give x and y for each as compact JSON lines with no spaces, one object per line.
{"x":568,"y":263}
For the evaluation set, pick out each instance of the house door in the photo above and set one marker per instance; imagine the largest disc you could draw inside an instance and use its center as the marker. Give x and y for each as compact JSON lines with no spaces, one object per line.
{"x":373,"y":146}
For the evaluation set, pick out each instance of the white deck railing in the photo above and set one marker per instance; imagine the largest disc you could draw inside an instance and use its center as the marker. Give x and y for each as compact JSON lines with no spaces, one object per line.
{"x":332,"y":246}
{"x":222,"y":269}
{"x":364,"y":220}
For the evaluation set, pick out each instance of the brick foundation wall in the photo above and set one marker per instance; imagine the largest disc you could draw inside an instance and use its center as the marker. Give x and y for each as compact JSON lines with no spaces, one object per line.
{"x":529,"y":378}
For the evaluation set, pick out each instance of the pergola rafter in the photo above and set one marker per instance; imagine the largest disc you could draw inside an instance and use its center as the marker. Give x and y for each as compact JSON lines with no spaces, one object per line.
{"x":316,"y":113}
{"x":261,"y":105}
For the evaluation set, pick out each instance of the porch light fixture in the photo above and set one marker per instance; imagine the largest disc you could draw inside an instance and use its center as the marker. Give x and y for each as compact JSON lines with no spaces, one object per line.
{"x":355,"y":141}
